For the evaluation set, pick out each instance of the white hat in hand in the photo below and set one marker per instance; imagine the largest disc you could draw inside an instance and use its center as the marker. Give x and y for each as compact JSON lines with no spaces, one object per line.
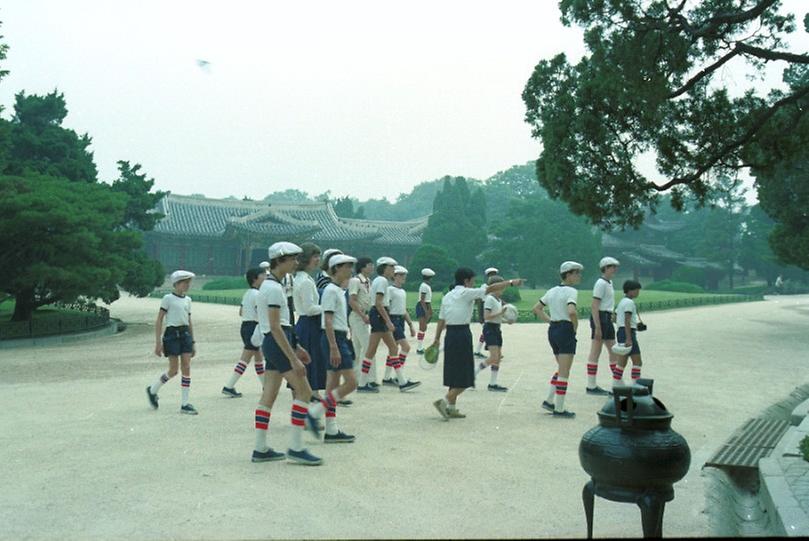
{"x":621,"y":349}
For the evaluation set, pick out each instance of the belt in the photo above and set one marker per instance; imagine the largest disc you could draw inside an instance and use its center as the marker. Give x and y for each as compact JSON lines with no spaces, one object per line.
{"x":459,"y":326}
{"x":177,"y":328}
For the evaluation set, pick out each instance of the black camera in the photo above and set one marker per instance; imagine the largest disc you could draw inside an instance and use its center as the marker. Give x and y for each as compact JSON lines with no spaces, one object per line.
{"x":641,"y":327}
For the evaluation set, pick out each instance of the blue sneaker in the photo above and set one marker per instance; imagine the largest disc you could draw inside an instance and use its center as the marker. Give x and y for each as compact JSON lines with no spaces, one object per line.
{"x":312,"y":425}
{"x":548,"y":406}
{"x":267,"y":456}
{"x":340,"y":437}
{"x":367,"y":389}
{"x":303,"y":457}
{"x":567,"y":414}
{"x":152,"y":397}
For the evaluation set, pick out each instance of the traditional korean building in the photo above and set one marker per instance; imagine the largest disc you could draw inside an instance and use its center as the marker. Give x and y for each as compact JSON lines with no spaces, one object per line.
{"x":227,"y":236}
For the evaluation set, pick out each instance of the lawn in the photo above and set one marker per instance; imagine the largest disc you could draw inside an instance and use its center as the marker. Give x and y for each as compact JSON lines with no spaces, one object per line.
{"x":648,"y":300}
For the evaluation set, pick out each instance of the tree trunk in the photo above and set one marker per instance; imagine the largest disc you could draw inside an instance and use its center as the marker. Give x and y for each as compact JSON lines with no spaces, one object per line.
{"x":24,"y":305}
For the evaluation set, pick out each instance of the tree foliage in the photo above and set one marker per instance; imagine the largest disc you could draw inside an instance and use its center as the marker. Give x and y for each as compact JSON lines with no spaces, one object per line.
{"x":436,"y":258}
{"x":458,"y":221}
{"x":651,"y":83}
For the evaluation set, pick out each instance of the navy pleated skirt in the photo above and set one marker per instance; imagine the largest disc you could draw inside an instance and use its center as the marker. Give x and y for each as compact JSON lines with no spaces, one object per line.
{"x":459,"y":359}
{"x":308,"y":330}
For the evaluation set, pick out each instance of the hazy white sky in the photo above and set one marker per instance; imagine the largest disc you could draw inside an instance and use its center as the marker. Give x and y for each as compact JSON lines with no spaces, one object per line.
{"x":361,"y":97}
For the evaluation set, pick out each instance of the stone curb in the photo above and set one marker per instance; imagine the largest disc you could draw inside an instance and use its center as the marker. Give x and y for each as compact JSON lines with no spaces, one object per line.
{"x":110,"y":329}
{"x":777,"y":496}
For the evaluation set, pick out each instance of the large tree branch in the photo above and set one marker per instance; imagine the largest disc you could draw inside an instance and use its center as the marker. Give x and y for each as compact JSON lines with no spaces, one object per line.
{"x":735,"y":144}
{"x":768,"y":54}
{"x":718,"y":20}
{"x":702,"y":74}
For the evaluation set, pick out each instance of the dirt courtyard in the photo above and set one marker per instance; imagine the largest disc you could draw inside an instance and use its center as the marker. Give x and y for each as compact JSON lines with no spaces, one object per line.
{"x":85,"y":457}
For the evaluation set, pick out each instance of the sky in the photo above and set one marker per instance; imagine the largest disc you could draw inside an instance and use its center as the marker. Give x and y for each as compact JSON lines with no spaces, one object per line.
{"x":363,"y":98}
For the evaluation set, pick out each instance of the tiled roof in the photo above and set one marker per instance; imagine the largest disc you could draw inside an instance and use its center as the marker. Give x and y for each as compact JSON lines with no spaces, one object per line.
{"x":197,"y":216}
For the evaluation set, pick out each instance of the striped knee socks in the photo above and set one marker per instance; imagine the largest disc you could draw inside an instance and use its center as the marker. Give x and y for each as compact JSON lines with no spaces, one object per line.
{"x":262,"y":426}
{"x":237,"y":373}
{"x":561,"y":392}
{"x":164,"y":377}
{"x":552,"y":391}
{"x":635,"y":373}
{"x":366,"y":368}
{"x":186,"y":387}
{"x":299,"y":411}
{"x":592,"y":372}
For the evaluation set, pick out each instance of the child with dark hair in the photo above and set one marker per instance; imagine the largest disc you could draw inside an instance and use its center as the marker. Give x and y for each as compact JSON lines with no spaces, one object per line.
{"x":627,"y":319}
{"x":248,"y":311}
{"x":454,"y":316}
{"x":359,"y":299}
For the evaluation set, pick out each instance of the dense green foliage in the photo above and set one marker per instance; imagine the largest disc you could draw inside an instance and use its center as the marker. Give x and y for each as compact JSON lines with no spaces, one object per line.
{"x":651,"y":82}
{"x":458,"y":220}
{"x":226,"y":282}
{"x":671,"y":285}
{"x":436,"y":258}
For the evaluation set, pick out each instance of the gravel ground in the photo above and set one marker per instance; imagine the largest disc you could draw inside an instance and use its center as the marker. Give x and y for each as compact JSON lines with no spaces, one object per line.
{"x":85,"y":457}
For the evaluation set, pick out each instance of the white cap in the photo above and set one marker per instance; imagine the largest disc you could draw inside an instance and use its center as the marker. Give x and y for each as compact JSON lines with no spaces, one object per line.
{"x":569,"y":266}
{"x":339,"y":259}
{"x":178,"y":275}
{"x":280,"y":249}
{"x":398,"y":269}
{"x":607,"y":261}
{"x":491,"y":270}
{"x":427,"y":272}
{"x":264,"y":265}
{"x":386,"y":261}
{"x":329,"y":252}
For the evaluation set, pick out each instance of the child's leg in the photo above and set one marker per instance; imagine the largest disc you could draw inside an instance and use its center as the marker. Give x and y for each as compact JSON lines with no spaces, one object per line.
{"x":185,"y":368}
{"x":608,"y":344}
{"x":494,"y":363}
{"x":373,"y":344}
{"x":618,"y":371}
{"x":393,"y":357}
{"x":479,"y":347}
{"x":335,"y":391}
{"x":302,"y":392}
{"x":565,"y":362}
{"x":592,"y":363}
{"x":421,"y":333}
{"x":404,"y":350}
{"x":174,"y":362}
{"x":258,"y":364}
{"x":264,"y":407}
{"x":238,"y":370}
{"x":636,"y":365}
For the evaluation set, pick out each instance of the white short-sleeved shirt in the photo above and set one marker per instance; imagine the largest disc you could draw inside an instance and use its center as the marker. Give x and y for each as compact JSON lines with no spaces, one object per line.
{"x":272,"y":294}
{"x":557,"y":298}
{"x":398,"y":301}
{"x":493,"y":304}
{"x":427,"y":291}
{"x":249,"y":305}
{"x":380,"y":285}
{"x":177,"y":309}
{"x":626,"y":305}
{"x":604,"y":291}
{"x":304,"y":295}
{"x":361,"y":287}
{"x":456,"y":306}
{"x":334,"y":302}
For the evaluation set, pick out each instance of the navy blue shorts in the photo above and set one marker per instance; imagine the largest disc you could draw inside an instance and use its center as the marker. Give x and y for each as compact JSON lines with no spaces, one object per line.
{"x":247,"y":332}
{"x":274,"y":357}
{"x":634,"y":335}
{"x":420,"y":313}
{"x":377,"y":322}
{"x":562,"y":338}
{"x":492,"y":335}
{"x":176,"y":341}
{"x":607,"y":328}
{"x":346,"y":351}
{"x":398,"y":327}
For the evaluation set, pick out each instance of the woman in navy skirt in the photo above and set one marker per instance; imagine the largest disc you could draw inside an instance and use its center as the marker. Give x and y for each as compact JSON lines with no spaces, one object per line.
{"x":307,"y":306}
{"x":454,"y":316}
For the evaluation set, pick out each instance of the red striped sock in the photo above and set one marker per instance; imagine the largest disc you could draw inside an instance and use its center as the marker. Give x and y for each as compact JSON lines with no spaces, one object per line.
{"x":262,"y":418}
{"x":617,"y":373}
{"x":561,"y":386}
{"x":402,"y":359}
{"x":391,"y":361}
{"x":635,"y":372}
{"x":366,"y":366}
{"x":298,"y":414}
{"x":592,"y":369}
{"x":259,"y":366}
{"x":240,"y":367}
{"x":420,"y":336}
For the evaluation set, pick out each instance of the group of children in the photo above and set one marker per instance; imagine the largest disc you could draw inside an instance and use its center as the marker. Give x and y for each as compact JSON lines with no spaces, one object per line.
{"x":342,"y":313}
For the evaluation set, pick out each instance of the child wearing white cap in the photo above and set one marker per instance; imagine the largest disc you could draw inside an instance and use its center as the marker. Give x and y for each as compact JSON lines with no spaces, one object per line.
{"x":177,"y":341}
{"x":248,"y":311}
{"x":602,"y":331}
{"x":359,"y":299}
{"x":335,"y":347}
{"x":488,"y":273}
{"x":382,"y":328}
{"x":424,"y":307}
{"x":399,"y":316}
{"x":283,"y":362}
{"x":307,"y":308}
{"x":493,"y":309}
{"x":563,"y":319}
{"x":627,"y":318}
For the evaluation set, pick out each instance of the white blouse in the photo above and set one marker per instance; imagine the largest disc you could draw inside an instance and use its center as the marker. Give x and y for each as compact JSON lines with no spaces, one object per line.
{"x":304,"y":295}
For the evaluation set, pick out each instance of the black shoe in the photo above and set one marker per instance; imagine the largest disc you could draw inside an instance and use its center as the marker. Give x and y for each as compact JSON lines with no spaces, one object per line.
{"x":480,"y":355}
{"x":419,"y":352}
{"x":188,"y":409}
{"x":498,"y":388}
{"x":344,"y":403}
{"x":152,"y":397}
{"x":303,"y":457}
{"x":267,"y":456}
{"x":231,"y":392}
{"x":373,"y":384}
{"x":564,"y":414}
{"x":598,"y":391}
{"x":409,"y":385}
{"x":340,"y":437}
{"x":548,"y":406}
{"x":367,"y":389}
{"x":314,"y":399}
{"x":390,"y":381}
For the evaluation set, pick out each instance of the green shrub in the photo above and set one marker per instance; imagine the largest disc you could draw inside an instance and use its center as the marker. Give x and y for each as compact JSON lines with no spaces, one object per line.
{"x":511,"y":295}
{"x":228,"y":282}
{"x":804,"y":448}
{"x":671,"y":285}
{"x":691,"y":275}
